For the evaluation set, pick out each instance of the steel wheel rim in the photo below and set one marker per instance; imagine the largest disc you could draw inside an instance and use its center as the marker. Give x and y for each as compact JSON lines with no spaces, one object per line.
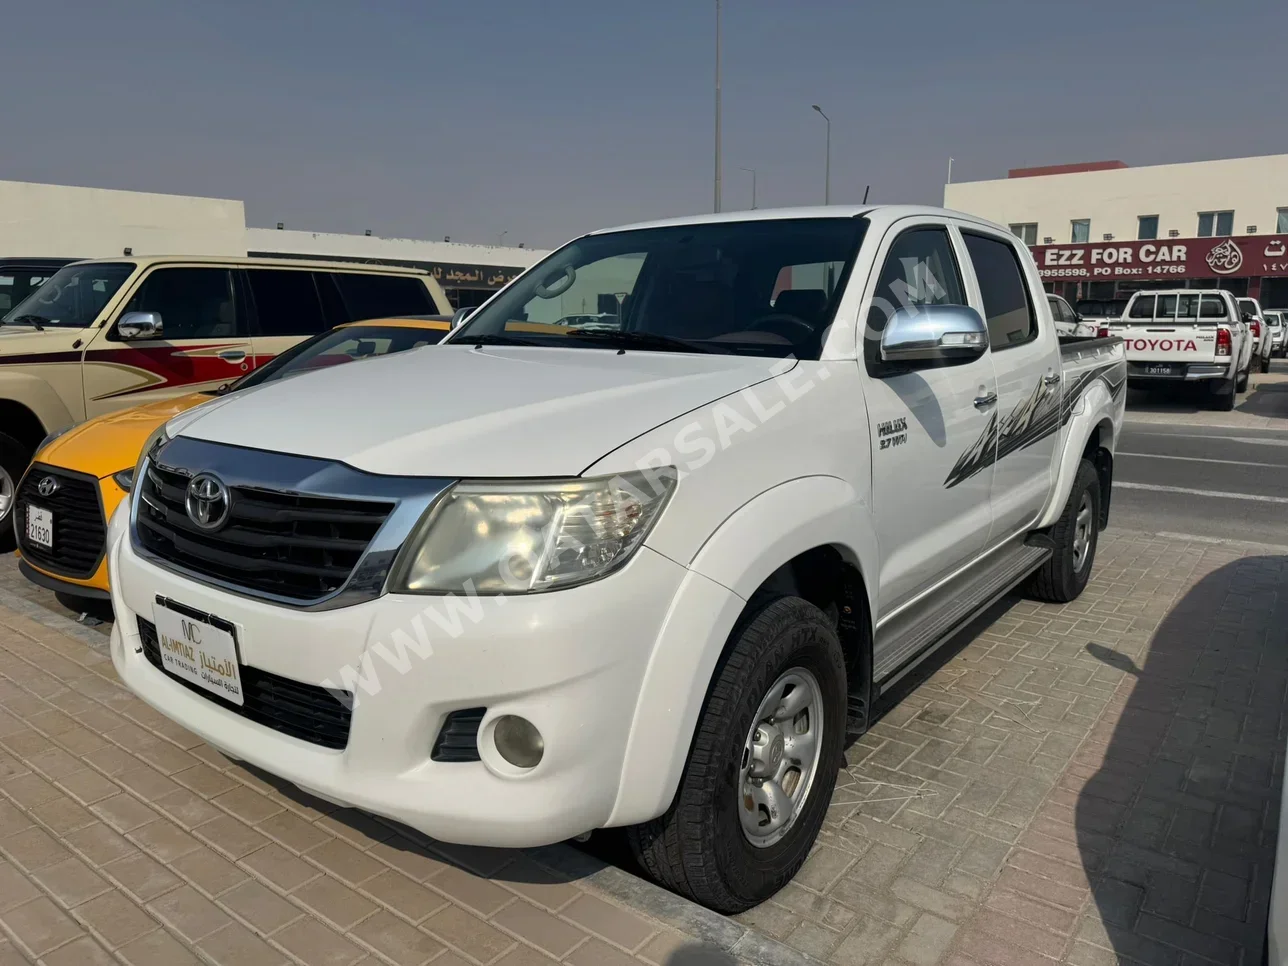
{"x":780,"y":757}
{"x":1082,"y":533}
{"x":6,"y":493}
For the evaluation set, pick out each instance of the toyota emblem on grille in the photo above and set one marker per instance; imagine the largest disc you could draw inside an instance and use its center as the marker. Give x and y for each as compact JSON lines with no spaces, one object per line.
{"x":208,"y":501}
{"x":48,"y":486}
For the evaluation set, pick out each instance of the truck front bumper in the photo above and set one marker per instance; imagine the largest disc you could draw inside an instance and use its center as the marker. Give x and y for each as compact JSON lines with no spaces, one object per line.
{"x":571,"y":662}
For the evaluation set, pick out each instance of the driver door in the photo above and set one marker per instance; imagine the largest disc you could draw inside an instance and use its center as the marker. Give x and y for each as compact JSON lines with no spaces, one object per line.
{"x":932,"y":430}
{"x":203,"y":344}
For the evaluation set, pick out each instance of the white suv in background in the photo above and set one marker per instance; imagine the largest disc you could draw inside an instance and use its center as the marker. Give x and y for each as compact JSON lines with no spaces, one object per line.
{"x":1261,"y":338}
{"x":1275,"y":319}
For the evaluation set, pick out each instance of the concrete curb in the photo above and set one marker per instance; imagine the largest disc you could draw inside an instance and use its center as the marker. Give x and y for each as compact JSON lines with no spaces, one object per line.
{"x":748,"y":947}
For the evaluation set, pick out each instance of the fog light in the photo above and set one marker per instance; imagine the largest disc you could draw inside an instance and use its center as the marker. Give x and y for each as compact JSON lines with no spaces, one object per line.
{"x":518,"y":741}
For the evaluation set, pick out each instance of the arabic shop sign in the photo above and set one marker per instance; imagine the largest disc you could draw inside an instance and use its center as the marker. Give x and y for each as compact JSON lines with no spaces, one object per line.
{"x":471,"y":276}
{"x":1249,"y":256}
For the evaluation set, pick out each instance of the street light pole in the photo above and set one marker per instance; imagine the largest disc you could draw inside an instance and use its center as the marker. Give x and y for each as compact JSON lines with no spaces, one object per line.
{"x":753,"y":185}
{"x":950,"y":170}
{"x":827,"y":175}
{"x":500,"y":239}
{"x":718,"y":169}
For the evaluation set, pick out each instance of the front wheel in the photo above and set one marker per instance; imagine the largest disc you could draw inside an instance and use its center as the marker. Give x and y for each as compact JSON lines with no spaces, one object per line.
{"x":14,"y":458}
{"x":762,"y":767}
{"x":1064,"y":577}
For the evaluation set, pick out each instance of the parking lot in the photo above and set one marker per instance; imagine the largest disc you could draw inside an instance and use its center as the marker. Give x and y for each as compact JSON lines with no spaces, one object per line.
{"x":1090,"y":783}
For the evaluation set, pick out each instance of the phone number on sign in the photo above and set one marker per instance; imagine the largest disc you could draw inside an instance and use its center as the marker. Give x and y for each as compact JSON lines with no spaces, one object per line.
{"x":1116,"y":271}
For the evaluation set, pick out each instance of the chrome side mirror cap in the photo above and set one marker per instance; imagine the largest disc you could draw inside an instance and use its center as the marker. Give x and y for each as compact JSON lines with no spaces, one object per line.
{"x":136,"y":326}
{"x":934,"y":334}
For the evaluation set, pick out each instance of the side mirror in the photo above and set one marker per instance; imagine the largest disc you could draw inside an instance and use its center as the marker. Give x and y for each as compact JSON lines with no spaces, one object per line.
{"x":946,"y":334}
{"x":459,"y":317}
{"x":136,"y":326}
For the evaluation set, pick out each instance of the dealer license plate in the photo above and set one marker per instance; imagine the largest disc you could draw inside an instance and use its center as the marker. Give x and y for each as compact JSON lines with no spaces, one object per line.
{"x":40,"y":526}
{"x":199,"y":651}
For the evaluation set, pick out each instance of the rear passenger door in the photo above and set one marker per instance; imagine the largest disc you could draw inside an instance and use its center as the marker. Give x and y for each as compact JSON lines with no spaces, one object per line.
{"x":286,"y":307}
{"x":928,"y":428}
{"x":1026,"y":361}
{"x":204,"y":341}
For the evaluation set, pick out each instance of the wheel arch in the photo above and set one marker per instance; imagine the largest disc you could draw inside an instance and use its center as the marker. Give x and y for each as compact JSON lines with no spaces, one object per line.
{"x":799,"y":538}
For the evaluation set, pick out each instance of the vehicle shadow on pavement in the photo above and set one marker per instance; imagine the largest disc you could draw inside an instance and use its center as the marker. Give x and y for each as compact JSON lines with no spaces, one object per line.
{"x":1176,"y":791}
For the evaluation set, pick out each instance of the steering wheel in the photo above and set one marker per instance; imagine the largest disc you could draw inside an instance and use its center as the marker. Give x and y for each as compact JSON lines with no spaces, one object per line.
{"x":792,"y":328}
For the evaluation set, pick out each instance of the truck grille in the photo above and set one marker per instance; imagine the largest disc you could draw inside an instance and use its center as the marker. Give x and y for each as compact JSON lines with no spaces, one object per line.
{"x":303,"y":711}
{"x":79,"y":532}
{"x":293,"y":546}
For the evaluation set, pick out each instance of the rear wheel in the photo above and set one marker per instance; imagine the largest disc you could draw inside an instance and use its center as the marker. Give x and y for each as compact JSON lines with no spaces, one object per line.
{"x":1265,"y":363}
{"x":1241,"y":383}
{"x":14,"y":458}
{"x":1223,"y":395}
{"x":762,"y":767}
{"x":1064,"y":577}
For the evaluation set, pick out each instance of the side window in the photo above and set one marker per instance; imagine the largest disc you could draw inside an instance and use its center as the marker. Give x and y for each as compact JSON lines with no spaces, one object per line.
{"x":1007,"y":306}
{"x":382,"y":296}
{"x":919,"y":269}
{"x":1142,"y":308}
{"x":1187,"y":307}
{"x":1213,"y":307}
{"x":194,"y":303}
{"x":7,"y":300}
{"x":286,"y":302}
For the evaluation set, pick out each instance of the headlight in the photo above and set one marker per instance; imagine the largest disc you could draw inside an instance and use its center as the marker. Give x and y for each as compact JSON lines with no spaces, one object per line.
{"x":520,"y":538}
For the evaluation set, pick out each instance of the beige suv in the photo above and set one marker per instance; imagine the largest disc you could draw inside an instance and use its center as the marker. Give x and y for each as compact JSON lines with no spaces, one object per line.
{"x":106,"y":334}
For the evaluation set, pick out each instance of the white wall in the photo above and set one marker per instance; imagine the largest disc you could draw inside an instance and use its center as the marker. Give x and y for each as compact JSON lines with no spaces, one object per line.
{"x":71,"y":222}
{"x":1253,"y":187}
{"x":364,"y":246}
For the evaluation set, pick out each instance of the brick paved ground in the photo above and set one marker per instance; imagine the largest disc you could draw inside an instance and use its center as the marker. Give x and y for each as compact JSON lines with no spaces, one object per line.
{"x":124,"y":838}
{"x":1088,"y":784}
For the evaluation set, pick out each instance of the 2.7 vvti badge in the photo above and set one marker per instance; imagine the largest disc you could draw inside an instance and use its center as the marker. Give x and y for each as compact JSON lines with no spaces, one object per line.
{"x":643,"y":571}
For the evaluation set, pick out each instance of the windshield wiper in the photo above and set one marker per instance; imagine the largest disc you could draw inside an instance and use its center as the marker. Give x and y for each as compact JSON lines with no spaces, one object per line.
{"x":639,"y":340}
{"x":492,"y":338}
{"x":33,"y":320}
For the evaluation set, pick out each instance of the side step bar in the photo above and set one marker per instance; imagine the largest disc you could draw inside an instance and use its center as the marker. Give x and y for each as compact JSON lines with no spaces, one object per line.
{"x":912,"y":637}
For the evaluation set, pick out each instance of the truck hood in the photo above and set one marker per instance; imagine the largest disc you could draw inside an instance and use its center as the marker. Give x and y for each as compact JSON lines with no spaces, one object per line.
{"x":26,"y":340}
{"x":460,"y":411}
{"x":109,"y":443}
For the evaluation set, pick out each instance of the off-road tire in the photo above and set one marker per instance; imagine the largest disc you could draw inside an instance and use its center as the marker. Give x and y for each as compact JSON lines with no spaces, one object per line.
{"x":14,"y":457}
{"x":1058,"y":581}
{"x":698,"y":847}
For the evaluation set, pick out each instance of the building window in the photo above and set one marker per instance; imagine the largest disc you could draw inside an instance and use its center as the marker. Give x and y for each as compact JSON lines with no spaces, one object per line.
{"x":1147,"y":226}
{"x":1081,"y":231}
{"x":1027,"y":233}
{"x":1216,"y":223}
{"x":1282,"y":227}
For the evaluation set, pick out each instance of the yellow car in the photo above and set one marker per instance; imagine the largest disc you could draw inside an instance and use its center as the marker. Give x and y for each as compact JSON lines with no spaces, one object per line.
{"x":79,"y":477}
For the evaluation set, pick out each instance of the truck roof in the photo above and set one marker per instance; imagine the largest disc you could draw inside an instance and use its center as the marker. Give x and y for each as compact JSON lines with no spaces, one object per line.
{"x":1185,"y":291}
{"x":888,"y":213}
{"x":145,"y":261}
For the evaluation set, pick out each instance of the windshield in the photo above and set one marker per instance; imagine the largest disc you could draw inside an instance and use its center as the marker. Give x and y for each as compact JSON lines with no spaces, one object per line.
{"x":338,"y":347}
{"x":765,"y":288}
{"x":73,"y":297}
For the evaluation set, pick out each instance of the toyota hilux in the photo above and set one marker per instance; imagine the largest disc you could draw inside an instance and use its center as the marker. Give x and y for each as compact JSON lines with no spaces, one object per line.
{"x":546,"y":579}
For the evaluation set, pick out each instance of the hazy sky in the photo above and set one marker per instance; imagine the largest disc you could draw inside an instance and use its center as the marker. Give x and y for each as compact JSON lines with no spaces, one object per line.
{"x":550,"y":118}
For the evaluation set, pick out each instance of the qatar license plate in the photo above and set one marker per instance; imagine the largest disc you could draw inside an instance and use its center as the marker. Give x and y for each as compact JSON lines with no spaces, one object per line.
{"x":1159,"y":370}
{"x":40,"y":526}
{"x":197,"y":650}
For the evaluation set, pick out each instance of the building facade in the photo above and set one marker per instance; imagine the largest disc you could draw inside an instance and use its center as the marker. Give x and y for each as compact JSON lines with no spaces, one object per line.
{"x":1104,"y":230}
{"x":63,"y":221}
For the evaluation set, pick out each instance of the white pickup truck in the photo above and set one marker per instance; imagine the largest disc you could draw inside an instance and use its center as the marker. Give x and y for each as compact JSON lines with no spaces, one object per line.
{"x":541,"y":580}
{"x":1184,"y":336}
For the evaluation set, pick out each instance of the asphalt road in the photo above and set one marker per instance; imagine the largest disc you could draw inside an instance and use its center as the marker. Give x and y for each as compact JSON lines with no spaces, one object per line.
{"x":1182,"y":468}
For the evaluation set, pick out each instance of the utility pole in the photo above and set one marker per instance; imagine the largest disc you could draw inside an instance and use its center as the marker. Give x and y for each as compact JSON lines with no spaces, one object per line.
{"x":950,"y":170}
{"x":718,"y":203}
{"x":827,"y":170}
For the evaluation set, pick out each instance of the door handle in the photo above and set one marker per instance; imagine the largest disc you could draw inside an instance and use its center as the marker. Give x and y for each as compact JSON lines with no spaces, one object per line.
{"x":1051,"y":379}
{"x":233,"y":355}
{"x":986,"y":400}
